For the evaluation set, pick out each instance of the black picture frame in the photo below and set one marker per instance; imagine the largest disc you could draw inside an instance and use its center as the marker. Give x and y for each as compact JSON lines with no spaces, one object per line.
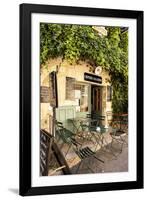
{"x":25,"y":187}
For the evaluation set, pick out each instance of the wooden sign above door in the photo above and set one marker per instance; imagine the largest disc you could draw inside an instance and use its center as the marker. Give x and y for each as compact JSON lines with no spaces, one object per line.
{"x":92,"y":78}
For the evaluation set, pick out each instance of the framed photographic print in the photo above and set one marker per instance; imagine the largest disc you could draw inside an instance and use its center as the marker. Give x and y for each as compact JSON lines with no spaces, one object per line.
{"x":81,"y":99}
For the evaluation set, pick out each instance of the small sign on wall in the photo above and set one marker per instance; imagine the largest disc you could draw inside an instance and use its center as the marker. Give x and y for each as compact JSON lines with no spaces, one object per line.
{"x":44,"y":94}
{"x":77,"y":94}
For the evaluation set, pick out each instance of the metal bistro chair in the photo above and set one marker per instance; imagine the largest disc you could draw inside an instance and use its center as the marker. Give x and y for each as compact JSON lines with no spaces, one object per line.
{"x":96,"y":116}
{"x":124,"y":123}
{"x":69,"y":138}
{"x":87,"y":127}
{"x":124,"y":126}
{"x":117,"y":138}
{"x":95,"y":128}
{"x":93,"y":121}
{"x":66,"y":137}
{"x":118,"y":121}
{"x":98,"y":128}
{"x":119,"y":131}
{"x":85,"y":153}
{"x":84,"y":125}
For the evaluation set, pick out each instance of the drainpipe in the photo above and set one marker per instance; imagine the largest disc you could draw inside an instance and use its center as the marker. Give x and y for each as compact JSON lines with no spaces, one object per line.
{"x":106,"y":121}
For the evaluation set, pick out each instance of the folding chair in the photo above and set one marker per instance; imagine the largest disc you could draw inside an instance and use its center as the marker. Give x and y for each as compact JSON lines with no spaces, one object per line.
{"x":98,"y":117}
{"x":66,"y":136}
{"x":69,"y":138}
{"x":117,"y":138}
{"x":85,"y":153}
{"x":117,"y":134}
{"x":102,"y":140}
{"x":120,"y":125}
{"x":119,"y":130}
{"x":94,"y":126}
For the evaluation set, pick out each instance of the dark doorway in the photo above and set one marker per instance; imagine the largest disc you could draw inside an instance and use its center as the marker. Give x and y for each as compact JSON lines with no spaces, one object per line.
{"x":96,"y":99}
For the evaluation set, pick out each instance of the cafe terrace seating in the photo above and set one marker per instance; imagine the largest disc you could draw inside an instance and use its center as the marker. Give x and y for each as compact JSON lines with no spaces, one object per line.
{"x":69,"y":138}
{"x":93,"y":124}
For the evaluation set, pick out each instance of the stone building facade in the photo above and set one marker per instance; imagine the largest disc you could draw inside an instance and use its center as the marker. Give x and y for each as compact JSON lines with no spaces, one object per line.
{"x":76,"y":96}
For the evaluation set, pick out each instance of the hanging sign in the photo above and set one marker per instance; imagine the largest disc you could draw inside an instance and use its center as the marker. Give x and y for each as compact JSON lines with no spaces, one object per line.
{"x":92,"y":78}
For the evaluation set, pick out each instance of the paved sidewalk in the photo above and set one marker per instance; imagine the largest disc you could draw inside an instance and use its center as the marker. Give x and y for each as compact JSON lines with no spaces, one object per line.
{"x":111,"y":163}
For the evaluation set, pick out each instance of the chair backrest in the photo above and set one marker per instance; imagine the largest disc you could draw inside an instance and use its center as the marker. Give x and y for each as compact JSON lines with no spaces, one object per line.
{"x":45,"y":144}
{"x":97,"y":116}
{"x":59,"y":125}
{"x":60,"y":130}
{"x":64,"y":134}
{"x":89,"y":115}
{"x":124,"y":121}
{"x":125,"y":117}
{"x":120,"y":117}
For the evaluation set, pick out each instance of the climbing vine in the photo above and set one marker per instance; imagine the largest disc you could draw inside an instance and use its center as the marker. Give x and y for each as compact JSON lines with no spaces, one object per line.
{"x":78,"y":42}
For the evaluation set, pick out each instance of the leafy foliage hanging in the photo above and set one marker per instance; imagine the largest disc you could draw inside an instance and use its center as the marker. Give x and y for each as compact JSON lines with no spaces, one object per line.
{"x":78,"y":42}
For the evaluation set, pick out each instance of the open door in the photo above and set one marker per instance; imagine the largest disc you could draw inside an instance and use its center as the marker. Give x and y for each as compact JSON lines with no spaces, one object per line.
{"x":96,"y":100}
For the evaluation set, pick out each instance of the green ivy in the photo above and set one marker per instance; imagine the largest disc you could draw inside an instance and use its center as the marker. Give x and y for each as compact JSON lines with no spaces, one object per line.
{"x":78,"y":42}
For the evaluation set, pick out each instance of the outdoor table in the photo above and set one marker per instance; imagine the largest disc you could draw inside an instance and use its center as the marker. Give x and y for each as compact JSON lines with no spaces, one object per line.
{"x":102,"y":136}
{"x":78,"y":121}
{"x":100,"y":133}
{"x":75,"y":123}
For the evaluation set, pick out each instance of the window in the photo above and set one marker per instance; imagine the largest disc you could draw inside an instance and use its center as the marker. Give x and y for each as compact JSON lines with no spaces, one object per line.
{"x":78,"y":93}
{"x":81,"y":95}
{"x":109,"y":93}
{"x":70,"y":88}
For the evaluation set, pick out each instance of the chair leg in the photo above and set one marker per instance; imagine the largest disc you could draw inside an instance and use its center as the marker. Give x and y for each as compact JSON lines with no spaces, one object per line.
{"x":124,"y":140}
{"x":90,"y":169}
{"x":97,"y":141}
{"x":99,"y":161}
{"x":62,"y":145}
{"x":78,"y":167}
{"x":67,"y":151}
{"x":120,"y":142}
{"x":110,"y":149}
